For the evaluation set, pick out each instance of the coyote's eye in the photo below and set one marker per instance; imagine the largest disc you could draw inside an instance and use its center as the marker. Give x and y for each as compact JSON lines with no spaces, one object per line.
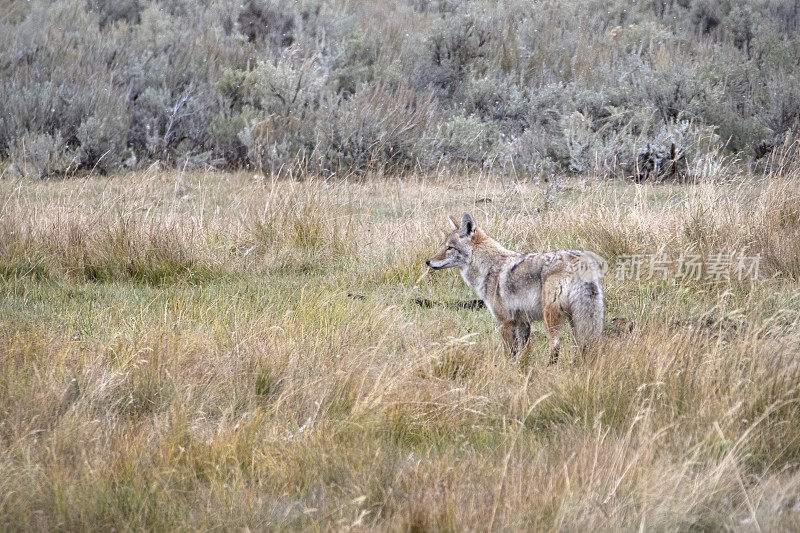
{"x":449,"y":248}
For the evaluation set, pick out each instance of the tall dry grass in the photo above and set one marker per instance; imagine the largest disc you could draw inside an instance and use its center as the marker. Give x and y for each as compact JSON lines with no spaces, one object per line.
{"x":217,"y":351}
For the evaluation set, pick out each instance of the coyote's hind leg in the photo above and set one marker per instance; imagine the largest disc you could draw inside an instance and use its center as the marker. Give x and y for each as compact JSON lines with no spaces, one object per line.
{"x":553,"y":320}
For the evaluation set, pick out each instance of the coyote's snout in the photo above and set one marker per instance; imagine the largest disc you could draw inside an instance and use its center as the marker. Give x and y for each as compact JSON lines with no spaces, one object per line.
{"x":521,"y":288}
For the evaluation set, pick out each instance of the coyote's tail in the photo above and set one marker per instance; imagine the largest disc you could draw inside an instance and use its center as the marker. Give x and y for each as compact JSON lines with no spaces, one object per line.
{"x":586,"y":303}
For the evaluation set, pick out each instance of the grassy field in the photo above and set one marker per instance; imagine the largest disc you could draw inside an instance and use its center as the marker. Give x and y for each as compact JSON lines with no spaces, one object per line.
{"x":207,"y":350}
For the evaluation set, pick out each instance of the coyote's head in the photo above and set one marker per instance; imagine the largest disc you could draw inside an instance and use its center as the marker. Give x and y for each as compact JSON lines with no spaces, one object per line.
{"x":457,"y":250}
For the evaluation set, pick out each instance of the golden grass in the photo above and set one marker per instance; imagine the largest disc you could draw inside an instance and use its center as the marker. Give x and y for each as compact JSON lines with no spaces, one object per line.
{"x":217,"y":351}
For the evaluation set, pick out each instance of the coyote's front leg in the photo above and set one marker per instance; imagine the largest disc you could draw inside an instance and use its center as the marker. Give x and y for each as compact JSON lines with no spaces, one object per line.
{"x":507,"y":328}
{"x":515,"y":334}
{"x":522,"y":330}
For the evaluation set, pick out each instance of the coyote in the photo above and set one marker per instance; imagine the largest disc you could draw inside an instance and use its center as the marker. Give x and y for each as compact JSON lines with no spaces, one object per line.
{"x":521,"y":288}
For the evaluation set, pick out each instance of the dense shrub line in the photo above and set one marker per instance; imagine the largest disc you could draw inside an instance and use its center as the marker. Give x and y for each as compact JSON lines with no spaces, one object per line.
{"x":334,"y":86}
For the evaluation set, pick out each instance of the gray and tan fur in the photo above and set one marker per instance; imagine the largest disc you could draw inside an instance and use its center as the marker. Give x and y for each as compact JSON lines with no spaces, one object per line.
{"x":522,"y":288}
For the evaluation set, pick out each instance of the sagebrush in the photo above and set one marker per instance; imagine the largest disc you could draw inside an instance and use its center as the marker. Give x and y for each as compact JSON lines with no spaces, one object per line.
{"x":528,"y":88}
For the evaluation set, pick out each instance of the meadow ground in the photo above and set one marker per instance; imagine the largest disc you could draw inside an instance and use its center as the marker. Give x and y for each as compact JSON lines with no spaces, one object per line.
{"x":190,"y":350}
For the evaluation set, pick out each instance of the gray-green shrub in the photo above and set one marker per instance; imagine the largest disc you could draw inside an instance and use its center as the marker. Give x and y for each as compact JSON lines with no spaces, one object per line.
{"x":551,"y":86}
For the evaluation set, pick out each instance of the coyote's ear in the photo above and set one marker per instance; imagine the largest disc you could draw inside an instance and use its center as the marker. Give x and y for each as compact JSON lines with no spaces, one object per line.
{"x":453,"y":222}
{"x":468,"y":226}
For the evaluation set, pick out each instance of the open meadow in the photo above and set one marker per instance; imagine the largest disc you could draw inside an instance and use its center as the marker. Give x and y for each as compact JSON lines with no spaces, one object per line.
{"x":222,"y":351}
